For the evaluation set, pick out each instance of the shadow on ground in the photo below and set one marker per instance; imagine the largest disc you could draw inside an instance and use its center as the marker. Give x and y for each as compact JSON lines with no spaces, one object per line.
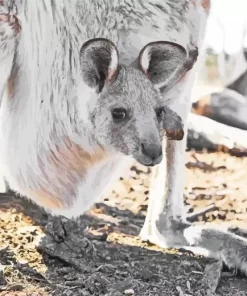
{"x":99,"y":254}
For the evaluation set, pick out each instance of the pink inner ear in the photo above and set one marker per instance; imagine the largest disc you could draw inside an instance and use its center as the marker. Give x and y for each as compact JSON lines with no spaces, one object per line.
{"x":145,"y":54}
{"x":145,"y":60}
{"x":113,"y":67}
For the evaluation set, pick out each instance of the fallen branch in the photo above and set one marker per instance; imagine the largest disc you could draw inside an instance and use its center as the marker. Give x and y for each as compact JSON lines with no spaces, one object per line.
{"x":203,"y":165}
{"x":227,"y":107}
{"x":206,"y":133}
{"x":192,"y":217}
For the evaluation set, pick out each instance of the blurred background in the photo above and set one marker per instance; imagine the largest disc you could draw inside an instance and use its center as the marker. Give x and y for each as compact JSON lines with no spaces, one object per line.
{"x":225,"y":45}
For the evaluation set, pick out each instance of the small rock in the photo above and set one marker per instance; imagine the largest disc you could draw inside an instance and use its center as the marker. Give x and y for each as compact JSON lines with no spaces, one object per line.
{"x":129,"y":292}
{"x":85,"y":293}
{"x":212,"y":276}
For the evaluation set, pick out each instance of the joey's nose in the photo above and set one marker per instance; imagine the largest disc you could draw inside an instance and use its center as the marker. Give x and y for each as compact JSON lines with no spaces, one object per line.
{"x":152,"y":151}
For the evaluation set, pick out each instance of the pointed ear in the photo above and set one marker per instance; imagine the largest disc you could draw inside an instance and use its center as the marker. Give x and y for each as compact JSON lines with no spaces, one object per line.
{"x":163,"y":63}
{"x":99,"y":63}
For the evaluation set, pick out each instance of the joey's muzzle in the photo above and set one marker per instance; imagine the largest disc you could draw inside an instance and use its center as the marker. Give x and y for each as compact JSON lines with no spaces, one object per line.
{"x":173,"y":125}
{"x":151,"y":154}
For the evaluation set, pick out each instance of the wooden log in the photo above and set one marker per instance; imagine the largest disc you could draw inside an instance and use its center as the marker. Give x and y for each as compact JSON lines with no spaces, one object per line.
{"x":227,"y":107}
{"x":206,"y":133}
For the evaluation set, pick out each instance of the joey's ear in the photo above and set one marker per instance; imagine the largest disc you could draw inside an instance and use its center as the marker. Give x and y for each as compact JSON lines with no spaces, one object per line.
{"x":163,"y":62}
{"x":173,"y":125}
{"x":99,"y":62}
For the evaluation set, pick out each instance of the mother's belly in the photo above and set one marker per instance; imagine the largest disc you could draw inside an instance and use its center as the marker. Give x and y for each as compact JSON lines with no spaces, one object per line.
{"x":61,"y":171}
{"x":97,"y":183}
{"x":75,"y":180}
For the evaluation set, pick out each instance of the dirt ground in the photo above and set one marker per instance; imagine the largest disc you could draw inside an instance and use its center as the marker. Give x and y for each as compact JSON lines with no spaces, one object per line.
{"x":101,"y":254}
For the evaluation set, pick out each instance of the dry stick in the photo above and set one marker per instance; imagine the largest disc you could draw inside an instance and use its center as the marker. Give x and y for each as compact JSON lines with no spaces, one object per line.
{"x":192,"y":217}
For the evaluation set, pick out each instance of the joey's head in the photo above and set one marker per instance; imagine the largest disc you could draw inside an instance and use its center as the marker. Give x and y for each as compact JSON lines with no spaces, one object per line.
{"x":127,"y":113}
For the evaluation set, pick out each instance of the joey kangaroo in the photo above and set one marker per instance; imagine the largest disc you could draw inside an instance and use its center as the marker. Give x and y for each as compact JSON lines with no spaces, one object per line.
{"x":87,"y":85}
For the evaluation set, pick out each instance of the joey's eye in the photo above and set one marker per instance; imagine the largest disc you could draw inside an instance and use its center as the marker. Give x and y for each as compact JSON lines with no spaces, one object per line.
{"x":160,"y":112}
{"x":119,"y":114}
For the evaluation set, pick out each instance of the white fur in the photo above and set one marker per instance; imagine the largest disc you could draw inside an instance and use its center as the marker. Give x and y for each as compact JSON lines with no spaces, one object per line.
{"x":100,"y":180}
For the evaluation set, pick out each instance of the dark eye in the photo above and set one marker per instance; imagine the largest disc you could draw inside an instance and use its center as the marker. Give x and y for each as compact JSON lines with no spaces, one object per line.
{"x":119,"y":114}
{"x":160,"y":112}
